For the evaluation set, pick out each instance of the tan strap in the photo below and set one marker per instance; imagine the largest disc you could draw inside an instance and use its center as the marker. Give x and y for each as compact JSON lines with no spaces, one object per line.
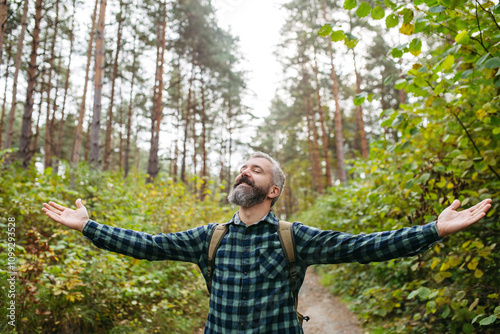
{"x":218,"y":233}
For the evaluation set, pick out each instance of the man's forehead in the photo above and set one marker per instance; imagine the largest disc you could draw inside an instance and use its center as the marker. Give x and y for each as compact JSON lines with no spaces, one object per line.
{"x":258,"y":162}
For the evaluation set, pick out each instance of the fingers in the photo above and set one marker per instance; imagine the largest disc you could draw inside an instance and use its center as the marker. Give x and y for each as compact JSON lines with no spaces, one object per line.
{"x":52,"y":215}
{"x":51,"y":208}
{"x":57,"y":206}
{"x":79,"y":204}
{"x":454,"y":205}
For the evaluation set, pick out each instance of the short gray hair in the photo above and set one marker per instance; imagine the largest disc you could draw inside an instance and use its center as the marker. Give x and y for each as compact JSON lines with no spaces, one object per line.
{"x":277,"y":176}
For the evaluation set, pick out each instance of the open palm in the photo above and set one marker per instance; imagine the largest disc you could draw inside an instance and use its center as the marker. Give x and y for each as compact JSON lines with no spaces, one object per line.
{"x":75,"y":219}
{"x":451,"y":221}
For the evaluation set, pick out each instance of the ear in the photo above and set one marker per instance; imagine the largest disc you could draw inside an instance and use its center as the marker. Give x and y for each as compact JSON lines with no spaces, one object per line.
{"x":273,"y":192}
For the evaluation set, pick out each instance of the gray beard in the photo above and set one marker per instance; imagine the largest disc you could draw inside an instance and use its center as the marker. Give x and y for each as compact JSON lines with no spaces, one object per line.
{"x":247,"y":196}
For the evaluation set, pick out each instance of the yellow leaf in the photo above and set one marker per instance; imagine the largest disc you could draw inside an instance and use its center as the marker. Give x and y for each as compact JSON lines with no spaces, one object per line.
{"x":473,"y":264}
{"x":448,"y":62}
{"x":478,"y":273}
{"x":435,"y":262}
{"x":407,"y":29}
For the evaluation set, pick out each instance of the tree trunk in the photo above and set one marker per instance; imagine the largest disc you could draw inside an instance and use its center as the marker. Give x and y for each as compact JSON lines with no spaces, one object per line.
{"x":126,"y":162}
{"x":186,"y":127}
{"x":203,"y":143}
{"x":315,"y":176}
{"x":109,"y":125}
{"x":95,"y":130}
{"x":75,"y":154}
{"x":4,"y":9}
{"x":66,"y":84}
{"x":339,"y":140}
{"x":17,"y":66}
{"x":315,"y":153}
{"x":157,"y":111}
{"x":2,"y":118}
{"x":324,"y":135}
{"x":24,"y":140}
{"x":359,"y":114}
{"x":48,"y":121}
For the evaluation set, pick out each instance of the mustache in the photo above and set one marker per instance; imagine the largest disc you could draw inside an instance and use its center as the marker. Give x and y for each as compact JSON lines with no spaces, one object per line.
{"x":244,"y":179}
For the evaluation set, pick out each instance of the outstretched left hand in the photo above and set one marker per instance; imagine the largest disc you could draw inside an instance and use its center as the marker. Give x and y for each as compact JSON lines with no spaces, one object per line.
{"x":451,"y":221}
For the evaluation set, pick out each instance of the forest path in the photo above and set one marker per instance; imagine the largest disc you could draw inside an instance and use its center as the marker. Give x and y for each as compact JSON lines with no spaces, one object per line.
{"x":328,"y":314}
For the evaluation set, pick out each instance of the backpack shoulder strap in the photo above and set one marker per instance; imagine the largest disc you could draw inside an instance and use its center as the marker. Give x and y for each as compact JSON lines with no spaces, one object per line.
{"x":287,"y":240}
{"x":218,"y":233}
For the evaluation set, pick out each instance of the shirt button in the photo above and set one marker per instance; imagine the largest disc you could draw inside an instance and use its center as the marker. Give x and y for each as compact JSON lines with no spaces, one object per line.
{"x":244,"y":297}
{"x":245,"y":273}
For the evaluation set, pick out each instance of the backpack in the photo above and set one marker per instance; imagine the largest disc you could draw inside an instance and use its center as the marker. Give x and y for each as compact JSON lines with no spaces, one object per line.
{"x":287,"y":241}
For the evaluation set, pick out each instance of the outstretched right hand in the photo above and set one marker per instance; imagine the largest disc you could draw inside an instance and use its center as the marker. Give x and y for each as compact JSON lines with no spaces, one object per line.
{"x":75,"y":219}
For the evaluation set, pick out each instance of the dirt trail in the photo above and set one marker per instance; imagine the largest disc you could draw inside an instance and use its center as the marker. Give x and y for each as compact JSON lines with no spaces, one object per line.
{"x":328,"y":314}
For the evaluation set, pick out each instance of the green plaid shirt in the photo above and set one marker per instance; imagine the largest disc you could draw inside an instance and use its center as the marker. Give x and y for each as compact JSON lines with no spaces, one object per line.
{"x":250,"y":289}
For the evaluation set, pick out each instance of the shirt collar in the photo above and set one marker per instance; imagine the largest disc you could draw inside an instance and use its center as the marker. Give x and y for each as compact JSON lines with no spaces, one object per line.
{"x":269,"y":218}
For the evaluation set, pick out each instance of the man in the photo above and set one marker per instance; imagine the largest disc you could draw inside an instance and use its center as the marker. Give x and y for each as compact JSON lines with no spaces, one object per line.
{"x":250,"y":285}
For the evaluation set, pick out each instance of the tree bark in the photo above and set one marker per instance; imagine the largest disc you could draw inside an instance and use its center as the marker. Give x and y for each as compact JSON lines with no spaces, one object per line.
{"x":75,"y":154}
{"x":359,"y":114}
{"x":4,"y":9}
{"x":203,"y":143}
{"x":17,"y":66}
{"x":157,"y":111}
{"x":95,"y":130}
{"x":339,"y":140}
{"x":186,"y":127}
{"x":315,"y":176}
{"x":24,"y":140}
{"x":315,"y":148}
{"x":109,"y":125}
{"x":2,"y":118}
{"x":66,"y":84}
{"x":126,"y":162}
{"x":324,"y":136}
{"x":48,"y":121}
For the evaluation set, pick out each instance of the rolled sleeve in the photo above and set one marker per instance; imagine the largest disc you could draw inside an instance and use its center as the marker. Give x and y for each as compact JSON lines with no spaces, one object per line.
{"x":185,"y":246}
{"x":316,"y":246}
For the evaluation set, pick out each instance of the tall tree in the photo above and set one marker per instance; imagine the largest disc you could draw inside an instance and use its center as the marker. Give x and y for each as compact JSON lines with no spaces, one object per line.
{"x":77,"y":142}
{"x":48,"y":121}
{"x":339,"y":138}
{"x":4,"y":10}
{"x":109,"y":125}
{"x":157,"y":110}
{"x":66,"y":84}
{"x":17,"y":67}
{"x":24,"y":141}
{"x":95,"y":130}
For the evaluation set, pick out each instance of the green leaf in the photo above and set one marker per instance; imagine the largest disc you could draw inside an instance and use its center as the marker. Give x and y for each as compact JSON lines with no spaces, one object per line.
{"x":462,"y":37}
{"x":492,"y":63}
{"x":350,"y":43}
{"x":488,"y":320}
{"x":396,"y":53}
{"x":378,"y":13}
{"x":364,"y":9}
{"x":400,"y":84}
{"x":349,"y":4}
{"x":415,"y":46}
{"x":407,"y":29}
{"x":338,"y":35}
{"x":424,"y":292}
{"x":390,"y":4}
{"x":496,"y":131}
{"x":413,"y":294}
{"x":424,"y":178}
{"x":407,"y":15}
{"x":325,"y":30}
{"x":437,"y":9}
{"x":360,"y":98}
{"x":391,"y":21}
{"x":497,"y":310}
{"x":476,"y":317}
{"x":482,"y":59}
{"x":388,"y":80}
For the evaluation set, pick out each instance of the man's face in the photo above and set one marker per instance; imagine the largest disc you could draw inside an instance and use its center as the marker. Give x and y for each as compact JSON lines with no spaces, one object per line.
{"x":253,"y":184}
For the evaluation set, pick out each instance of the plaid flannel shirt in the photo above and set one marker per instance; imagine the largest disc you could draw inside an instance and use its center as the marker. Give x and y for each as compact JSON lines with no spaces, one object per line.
{"x":250,"y":289}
